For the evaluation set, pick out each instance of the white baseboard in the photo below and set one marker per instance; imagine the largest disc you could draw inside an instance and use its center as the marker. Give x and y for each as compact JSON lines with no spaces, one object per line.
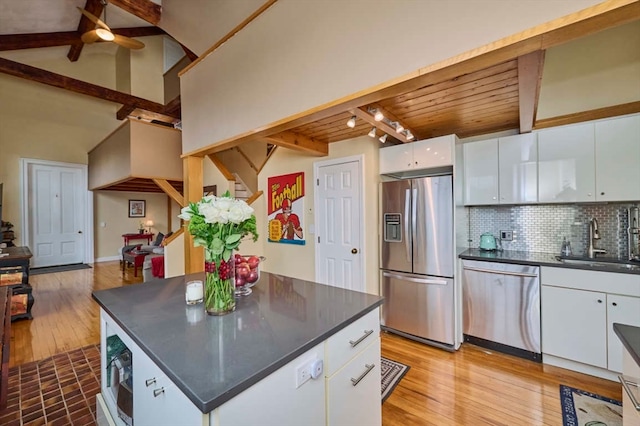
{"x":107,"y":259}
{"x":579,"y":367}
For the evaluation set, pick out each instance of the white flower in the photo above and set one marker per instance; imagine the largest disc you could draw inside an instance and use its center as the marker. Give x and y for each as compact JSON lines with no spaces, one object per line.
{"x":213,"y":213}
{"x":185,"y":213}
{"x":239,"y":212}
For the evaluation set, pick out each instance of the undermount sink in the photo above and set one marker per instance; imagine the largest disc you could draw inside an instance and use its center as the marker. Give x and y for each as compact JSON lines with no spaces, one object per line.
{"x":602,"y":262}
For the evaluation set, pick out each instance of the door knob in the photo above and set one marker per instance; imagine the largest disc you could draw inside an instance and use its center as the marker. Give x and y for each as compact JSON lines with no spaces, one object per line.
{"x":79,"y":232}
{"x":354,"y":250}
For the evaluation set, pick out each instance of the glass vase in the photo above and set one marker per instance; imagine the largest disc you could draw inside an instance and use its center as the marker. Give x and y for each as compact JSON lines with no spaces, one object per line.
{"x":219,"y":286}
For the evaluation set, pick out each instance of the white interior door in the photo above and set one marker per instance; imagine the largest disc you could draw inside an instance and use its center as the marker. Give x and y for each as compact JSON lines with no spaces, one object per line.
{"x":56,"y":214}
{"x":339,"y":242}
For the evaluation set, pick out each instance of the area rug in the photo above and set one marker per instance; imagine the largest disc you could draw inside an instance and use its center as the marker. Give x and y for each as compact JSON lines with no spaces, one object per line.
{"x":585,"y":408}
{"x":60,"y":268}
{"x":392,"y":372}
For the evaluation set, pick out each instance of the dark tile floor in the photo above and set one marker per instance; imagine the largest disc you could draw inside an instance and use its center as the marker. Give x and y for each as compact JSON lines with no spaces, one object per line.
{"x":60,"y":390}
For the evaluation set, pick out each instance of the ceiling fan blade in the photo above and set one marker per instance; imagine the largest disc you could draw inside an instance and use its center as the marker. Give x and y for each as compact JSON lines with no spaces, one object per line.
{"x":93,"y":18}
{"x":90,"y":37}
{"x":127,"y":42}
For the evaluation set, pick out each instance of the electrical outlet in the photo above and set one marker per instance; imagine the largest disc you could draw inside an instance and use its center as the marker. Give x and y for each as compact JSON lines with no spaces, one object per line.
{"x":506,"y":235}
{"x":303,"y":374}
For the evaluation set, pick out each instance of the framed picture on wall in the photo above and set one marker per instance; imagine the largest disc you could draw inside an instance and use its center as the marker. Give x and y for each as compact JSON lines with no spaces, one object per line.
{"x":137,"y":208}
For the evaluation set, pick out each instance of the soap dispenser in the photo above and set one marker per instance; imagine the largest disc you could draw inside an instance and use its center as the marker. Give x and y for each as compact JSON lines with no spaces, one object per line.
{"x":566,"y":247}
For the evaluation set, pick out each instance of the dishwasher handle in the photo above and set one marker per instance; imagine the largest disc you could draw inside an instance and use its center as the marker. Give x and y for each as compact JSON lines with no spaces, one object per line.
{"x":494,"y":271}
{"x":414,"y":279}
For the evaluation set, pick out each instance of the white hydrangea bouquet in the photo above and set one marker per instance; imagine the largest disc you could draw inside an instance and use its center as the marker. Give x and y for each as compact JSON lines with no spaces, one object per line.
{"x":218,"y":224}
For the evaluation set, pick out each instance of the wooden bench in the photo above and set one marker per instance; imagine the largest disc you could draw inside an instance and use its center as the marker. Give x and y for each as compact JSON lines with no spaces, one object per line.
{"x":5,"y":339}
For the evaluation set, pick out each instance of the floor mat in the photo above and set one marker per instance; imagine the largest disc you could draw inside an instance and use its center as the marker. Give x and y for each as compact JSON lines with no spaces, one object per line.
{"x":581,"y":408}
{"x":60,"y":268}
{"x":392,"y":372}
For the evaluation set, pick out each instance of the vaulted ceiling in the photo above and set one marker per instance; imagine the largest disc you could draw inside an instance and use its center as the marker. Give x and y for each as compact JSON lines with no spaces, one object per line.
{"x":490,"y":96}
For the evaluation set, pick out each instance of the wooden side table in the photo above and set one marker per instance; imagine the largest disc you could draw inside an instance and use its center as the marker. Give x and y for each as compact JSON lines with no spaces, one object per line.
{"x":136,"y":258}
{"x":14,"y":273}
{"x":129,"y":237}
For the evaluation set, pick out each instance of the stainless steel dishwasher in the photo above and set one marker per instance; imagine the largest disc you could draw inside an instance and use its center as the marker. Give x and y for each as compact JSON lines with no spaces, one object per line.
{"x":501,"y":307}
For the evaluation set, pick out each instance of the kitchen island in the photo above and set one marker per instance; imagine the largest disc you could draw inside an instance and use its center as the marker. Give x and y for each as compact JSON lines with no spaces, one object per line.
{"x":260,"y":362}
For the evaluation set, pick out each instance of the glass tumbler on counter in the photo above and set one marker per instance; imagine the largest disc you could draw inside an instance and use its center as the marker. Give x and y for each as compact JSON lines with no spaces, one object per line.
{"x":193,"y":292}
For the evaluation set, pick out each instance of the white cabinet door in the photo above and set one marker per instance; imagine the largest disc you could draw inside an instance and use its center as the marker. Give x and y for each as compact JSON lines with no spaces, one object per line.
{"x":353,"y":393}
{"x":481,"y":172}
{"x":623,"y":310}
{"x":518,"y":169}
{"x":574,"y":325}
{"x":157,"y":400}
{"x":396,"y":158}
{"x":566,"y":164}
{"x":435,"y":152}
{"x":618,"y":159}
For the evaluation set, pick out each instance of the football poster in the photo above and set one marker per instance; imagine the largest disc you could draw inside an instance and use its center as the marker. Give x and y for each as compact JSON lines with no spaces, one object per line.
{"x":285,"y":208}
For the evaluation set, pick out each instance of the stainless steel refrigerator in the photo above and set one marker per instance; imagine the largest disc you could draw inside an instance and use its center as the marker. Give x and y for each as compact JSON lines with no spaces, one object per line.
{"x":417,"y":259}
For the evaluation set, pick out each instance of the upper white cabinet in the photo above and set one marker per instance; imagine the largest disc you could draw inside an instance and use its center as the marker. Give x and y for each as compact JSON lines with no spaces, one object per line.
{"x":518,"y":169}
{"x":618,"y":159}
{"x":566,"y":164}
{"x":481,"y":172}
{"x":425,"y":154}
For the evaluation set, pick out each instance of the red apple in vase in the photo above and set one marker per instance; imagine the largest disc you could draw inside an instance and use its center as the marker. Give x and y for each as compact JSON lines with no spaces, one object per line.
{"x":253,"y":261}
{"x":238,"y":259}
{"x":253,"y":276}
{"x":242,"y":270}
{"x":240,"y":281}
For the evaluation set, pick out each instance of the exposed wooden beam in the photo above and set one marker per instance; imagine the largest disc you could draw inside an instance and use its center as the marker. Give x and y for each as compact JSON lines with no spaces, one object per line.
{"x":254,"y":197}
{"x":143,"y":9}
{"x":94,"y":7}
{"x":220,"y":166}
{"x":529,"y":79}
{"x":173,"y":108}
{"x":125,"y":111}
{"x":299,"y":142}
{"x":56,"y":80}
{"x":192,"y":56}
{"x":594,"y":114}
{"x":269,"y":154}
{"x":67,"y":38}
{"x":170,"y":191}
{"x":193,"y":177}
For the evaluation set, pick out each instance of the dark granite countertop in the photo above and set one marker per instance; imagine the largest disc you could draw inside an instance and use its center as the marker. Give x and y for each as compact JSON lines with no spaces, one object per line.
{"x":630,"y":337}
{"x":214,"y":358}
{"x":542,"y":259}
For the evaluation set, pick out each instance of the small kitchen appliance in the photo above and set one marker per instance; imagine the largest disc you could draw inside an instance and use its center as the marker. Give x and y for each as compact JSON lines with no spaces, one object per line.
{"x":488,"y":242}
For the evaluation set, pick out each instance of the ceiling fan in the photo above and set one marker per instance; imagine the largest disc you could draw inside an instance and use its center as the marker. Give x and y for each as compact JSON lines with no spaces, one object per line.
{"x":103,"y":32}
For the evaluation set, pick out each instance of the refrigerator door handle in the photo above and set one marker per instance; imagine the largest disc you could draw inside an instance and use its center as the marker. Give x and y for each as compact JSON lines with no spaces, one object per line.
{"x":407,"y":240}
{"x":413,"y":279}
{"x":493,"y":271}
{"x":414,"y":222}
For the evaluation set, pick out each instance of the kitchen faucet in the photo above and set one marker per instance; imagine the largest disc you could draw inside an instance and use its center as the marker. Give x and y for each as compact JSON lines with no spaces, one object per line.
{"x":594,"y":234}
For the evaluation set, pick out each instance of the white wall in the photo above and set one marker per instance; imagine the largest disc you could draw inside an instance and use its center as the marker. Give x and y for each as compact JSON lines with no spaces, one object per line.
{"x":299,"y":55}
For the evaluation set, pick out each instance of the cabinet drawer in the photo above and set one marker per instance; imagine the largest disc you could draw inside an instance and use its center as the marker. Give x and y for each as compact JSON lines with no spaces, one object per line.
{"x":607,"y":282}
{"x":355,"y":386}
{"x":351,"y":340}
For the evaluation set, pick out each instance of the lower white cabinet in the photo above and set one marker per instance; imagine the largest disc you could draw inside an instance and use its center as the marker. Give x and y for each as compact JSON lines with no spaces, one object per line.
{"x":579,"y":308}
{"x":574,"y":325}
{"x":355,"y":386}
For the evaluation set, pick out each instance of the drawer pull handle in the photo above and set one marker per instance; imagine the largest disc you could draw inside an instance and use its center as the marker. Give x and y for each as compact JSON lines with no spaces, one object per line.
{"x":369,"y":367}
{"x":626,"y":383}
{"x":367,"y":333}
{"x":149,"y":382}
{"x":157,"y":392}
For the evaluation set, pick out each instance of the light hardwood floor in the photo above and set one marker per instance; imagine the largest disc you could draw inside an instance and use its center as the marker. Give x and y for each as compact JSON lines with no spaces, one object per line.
{"x":472,"y":386}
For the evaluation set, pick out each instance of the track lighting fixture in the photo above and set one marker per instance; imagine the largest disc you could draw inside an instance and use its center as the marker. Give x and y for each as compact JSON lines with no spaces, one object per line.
{"x":383,"y":138}
{"x":352,"y":122}
{"x":409,"y":135}
{"x":399,"y":127}
{"x":372,"y":132}
{"x":378,"y":115}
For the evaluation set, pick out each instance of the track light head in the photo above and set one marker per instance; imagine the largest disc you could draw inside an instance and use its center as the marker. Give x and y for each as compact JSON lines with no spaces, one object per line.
{"x":409,"y":135}
{"x":352,"y":122}
{"x":372,"y":132}
{"x":399,"y":127}
{"x":383,"y":138}
{"x":378,"y":116}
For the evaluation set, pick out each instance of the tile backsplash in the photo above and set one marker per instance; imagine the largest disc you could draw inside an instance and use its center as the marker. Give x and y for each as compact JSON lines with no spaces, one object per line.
{"x":540,"y":228}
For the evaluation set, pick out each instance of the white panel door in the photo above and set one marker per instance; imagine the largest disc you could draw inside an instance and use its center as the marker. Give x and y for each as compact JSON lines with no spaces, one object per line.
{"x":339,"y":220}
{"x":56,"y":215}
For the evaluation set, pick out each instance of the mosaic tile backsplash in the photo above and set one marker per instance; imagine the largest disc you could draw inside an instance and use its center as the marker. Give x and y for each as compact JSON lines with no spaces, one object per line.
{"x":541,"y":228}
